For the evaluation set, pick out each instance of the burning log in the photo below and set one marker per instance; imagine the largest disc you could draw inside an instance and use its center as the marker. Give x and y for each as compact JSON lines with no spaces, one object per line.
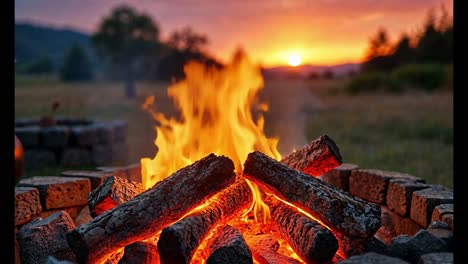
{"x":264,"y":247}
{"x":146,"y":214}
{"x":318,"y":157}
{"x":112,"y":192}
{"x":335,"y":208}
{"x":178,"y":242}
{"x":309,"y":239}
{"x":228,"y":247}
{"x":140,"y":253}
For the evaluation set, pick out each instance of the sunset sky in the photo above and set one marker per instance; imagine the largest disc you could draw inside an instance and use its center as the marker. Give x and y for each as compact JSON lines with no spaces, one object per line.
{"x":320,"y":31}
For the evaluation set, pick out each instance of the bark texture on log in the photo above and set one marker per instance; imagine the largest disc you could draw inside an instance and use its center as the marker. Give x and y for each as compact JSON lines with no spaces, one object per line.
{"x":112,"y":192}
{"x":333,"y":207}
{"x":309,"y":239}
{"x":318,"y":157}
{"x":140,"y":253}
{"x":228,"y":247}
{"x":178,"y":242}
{"x":145,"y":215}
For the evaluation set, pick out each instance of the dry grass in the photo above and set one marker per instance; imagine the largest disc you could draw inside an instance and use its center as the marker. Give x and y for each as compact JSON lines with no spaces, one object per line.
{"x":410,"y":133}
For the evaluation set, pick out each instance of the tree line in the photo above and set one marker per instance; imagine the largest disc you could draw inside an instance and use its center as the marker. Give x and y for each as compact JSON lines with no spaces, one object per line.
{"x":431,"y":44}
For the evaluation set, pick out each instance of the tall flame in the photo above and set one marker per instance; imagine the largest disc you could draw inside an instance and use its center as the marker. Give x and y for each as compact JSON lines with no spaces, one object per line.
{"x":215,"y":107}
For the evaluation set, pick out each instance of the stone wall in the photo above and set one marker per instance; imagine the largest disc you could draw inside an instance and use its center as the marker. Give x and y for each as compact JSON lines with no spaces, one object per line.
{"x":73,"y":142}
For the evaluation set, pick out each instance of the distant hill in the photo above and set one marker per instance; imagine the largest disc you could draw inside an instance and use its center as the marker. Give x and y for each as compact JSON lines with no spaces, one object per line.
{"x":33,"y":42}
{"x":305,"y":70}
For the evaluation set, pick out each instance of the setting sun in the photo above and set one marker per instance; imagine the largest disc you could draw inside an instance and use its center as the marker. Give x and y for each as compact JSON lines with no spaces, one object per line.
{"x":294,"y":60}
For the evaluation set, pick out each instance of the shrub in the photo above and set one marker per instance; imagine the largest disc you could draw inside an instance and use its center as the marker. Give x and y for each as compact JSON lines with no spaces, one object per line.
{"x":373,"y":82}
{"x":423,"y":76}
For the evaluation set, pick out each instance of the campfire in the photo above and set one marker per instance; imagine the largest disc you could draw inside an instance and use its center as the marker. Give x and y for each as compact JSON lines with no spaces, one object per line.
{"x":218,"y":191}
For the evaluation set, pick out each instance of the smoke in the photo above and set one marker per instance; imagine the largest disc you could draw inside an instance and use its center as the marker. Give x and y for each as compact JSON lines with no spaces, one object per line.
{"x":290,"y":101}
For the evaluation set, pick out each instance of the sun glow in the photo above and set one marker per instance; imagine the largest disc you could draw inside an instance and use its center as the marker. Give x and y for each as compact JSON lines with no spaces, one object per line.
{"x":294,"y":60}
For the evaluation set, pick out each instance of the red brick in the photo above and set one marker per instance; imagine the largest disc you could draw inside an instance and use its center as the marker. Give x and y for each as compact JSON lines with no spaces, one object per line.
{"x":96,"y":177}
{"x":399,"y":195}
{"x":339,"y":176}
{"x":27,"y":204}
{"x":371,"y":185}
{"x":59,"y":192}
{"x":424,"y":201}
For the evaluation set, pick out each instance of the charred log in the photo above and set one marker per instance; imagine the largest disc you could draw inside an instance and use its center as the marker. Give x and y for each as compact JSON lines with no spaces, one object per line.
{"x":228,"y":247}
{"x":112,"y":192}
{"x":309,"y":239}
{"x":140,"y":253}
{"x":146,"y":214}
{"x":318,"y":157}
{"x":178,"y":242}
{"x":333,"y":207}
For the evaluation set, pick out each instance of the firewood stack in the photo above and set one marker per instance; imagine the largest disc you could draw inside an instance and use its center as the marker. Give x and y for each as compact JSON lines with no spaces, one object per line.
{"x":195,"y":205}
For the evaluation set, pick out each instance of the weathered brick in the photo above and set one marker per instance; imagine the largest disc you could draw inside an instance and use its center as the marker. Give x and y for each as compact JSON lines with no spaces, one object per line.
{"x":72,"y":211}
{"x":22,"y":122}
{"x":371,"y":185}
{"x":40,"y":239}
{"x":436,"y":258}
{"x":120,"y":130}
{"x":399,"y":195}
{"x":84,"y":135}
{"x":59,"y":192}
{"x":424,"y":201}
{"x":118,"y":171}
{"x":101,"y":154}
{"x":339,"y":176}
{"x":401,"y":225}
{"x":96,"y":177}
{"x":27,"y":204}
{"x":76,"y":157}
{"x":39,"y":158}
{"x":73,"y":121}
{"x":29,"y":136}
{"x":440,"y":211}
{"x":105,"y":132}
{"x":387,"y":230}
{"x":55,"y":136}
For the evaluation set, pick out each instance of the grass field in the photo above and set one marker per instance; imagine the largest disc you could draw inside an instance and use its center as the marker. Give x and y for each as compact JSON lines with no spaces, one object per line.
{"x":411,"y":133}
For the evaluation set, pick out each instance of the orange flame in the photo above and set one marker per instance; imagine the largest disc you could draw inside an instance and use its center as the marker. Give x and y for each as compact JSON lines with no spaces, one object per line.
{"x":215,"y":107}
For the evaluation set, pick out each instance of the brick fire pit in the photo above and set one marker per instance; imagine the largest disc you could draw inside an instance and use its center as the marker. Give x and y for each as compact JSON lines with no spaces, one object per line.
{"x":417,"y":218}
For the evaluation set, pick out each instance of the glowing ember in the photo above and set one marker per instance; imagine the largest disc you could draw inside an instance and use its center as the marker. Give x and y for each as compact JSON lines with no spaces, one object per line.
{"x":215,"y":107}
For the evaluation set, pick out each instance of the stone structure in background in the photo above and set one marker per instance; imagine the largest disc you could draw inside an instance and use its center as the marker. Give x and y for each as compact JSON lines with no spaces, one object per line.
{"x":73,"y":142}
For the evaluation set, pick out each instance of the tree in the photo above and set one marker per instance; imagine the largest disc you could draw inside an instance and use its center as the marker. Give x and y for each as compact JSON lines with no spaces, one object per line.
{"x":436,"y":42}
{"x":126,"y":38}
{"x":403,"y":52}
{"x":187,"y":40}
{"x":40,"y":66}
{"x":379,"y":45}
{"x":76,"y":65}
